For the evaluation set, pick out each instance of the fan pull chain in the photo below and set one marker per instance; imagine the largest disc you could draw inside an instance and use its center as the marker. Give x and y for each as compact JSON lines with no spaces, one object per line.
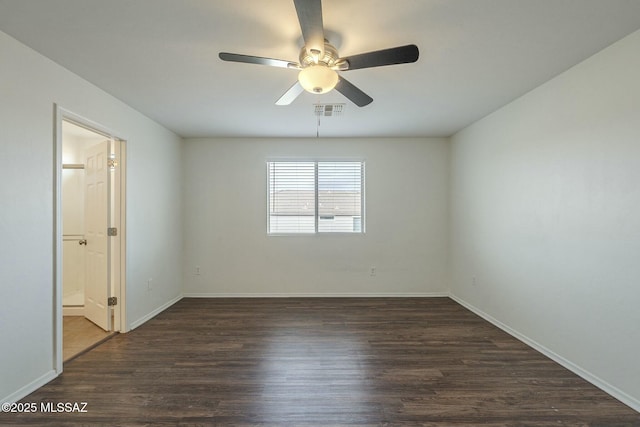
{"x":318,"y":128}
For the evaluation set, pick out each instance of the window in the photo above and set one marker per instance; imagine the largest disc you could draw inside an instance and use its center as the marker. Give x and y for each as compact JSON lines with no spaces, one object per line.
{"x":315,"y":197}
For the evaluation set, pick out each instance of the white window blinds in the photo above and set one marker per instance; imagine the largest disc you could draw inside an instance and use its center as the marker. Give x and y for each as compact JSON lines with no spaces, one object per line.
{"x":339,"y":197}
{"x":292,"y":206}
{"x":315,"y":197}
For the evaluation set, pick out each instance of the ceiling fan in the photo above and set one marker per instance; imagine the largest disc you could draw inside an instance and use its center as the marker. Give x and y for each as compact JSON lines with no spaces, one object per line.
{"x":319,"y":61}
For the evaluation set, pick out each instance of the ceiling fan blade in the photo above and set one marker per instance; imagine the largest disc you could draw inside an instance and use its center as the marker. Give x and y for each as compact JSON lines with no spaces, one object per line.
{"x":249,"y":59}
{"x":354,"y":94}
{"x":310,"y":17}
{"x":290,"y":95}
{"x":378,"y":58}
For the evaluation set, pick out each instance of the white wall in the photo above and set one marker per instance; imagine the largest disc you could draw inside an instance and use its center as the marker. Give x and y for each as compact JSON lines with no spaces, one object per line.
{"x":546,"y":216}
{"x":226,"y":222}
{"x":30,"y":84}
{"x":73,"y":255}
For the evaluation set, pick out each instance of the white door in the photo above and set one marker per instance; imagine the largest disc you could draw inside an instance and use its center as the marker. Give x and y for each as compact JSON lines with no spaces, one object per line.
{"x":97,"y":288}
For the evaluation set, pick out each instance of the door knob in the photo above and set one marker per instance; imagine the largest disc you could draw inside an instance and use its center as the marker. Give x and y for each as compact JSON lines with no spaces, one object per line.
{"x":82,"y":241}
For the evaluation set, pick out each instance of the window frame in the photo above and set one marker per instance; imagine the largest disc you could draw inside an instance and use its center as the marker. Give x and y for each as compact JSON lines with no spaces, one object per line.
{"x":315,"y":161}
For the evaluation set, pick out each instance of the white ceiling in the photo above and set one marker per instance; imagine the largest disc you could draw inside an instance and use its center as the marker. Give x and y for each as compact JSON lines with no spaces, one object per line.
{"x":75,"y":131}
{"x":161,"y":57}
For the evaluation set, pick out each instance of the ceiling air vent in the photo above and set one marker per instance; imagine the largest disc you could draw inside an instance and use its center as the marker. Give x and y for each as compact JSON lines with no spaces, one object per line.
{"x":328,"y":110}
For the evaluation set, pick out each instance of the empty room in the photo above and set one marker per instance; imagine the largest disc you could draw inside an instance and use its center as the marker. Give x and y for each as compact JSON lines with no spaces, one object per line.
{"x":320,"y":212}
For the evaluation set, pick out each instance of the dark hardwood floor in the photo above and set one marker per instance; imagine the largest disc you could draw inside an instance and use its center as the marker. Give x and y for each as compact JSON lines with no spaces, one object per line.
{"x":321,"y":362}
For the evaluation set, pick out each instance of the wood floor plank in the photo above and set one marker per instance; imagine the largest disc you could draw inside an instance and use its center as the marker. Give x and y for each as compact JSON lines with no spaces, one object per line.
{"x":321,"y":362}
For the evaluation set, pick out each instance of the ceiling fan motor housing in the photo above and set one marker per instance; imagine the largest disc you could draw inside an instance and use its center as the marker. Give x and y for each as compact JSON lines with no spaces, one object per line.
{"x":329,"y":58}
{"x":318,"y":74}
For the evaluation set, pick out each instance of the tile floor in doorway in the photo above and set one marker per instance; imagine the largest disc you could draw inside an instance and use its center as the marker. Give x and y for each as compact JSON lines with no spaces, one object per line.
{"x":79,"y":335}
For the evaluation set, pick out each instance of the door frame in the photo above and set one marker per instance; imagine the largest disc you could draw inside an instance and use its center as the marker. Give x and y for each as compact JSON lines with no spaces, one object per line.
{"x":118,"y":243}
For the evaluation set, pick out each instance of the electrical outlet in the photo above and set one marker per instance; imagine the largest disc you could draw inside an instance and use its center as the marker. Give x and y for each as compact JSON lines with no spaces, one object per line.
{"x":372,"y":271}
{"x":474,"y":281}
{"x":150,"y":284}
{"x":196,"y":270}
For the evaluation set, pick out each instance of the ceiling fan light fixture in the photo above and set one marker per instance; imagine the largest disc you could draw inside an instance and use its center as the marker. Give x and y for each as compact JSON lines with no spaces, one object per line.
{"x":318,"y":79}
{"x":319,"y":61}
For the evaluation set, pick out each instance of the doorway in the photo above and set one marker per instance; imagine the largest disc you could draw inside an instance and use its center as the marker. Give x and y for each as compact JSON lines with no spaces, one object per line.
{"x":90,"y":231}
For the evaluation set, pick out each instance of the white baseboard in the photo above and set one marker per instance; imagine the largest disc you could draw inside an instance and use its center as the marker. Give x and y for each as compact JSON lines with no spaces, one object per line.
{"x":316,"y":295}
{"x":586,"y":375}
{"x":73,"y":311}
{"x":154,"y":313}
{"x":31,"y":387}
